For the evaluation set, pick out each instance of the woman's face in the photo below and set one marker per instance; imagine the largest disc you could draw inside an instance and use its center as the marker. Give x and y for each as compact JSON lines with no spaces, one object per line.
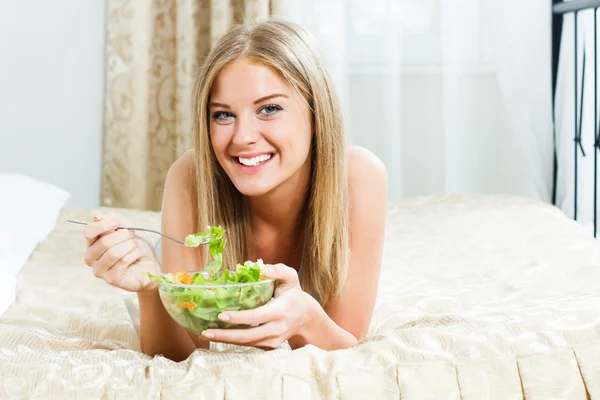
{"x":260,"y":128}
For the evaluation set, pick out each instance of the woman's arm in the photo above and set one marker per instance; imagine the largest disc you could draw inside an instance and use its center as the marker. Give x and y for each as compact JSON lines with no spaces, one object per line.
{"x":322,"y":331}
{"x":159,"y":333}
{"x":344,"y":321}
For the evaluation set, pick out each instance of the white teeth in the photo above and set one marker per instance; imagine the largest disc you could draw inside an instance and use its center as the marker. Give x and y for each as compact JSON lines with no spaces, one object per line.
{"x":254,"y":161}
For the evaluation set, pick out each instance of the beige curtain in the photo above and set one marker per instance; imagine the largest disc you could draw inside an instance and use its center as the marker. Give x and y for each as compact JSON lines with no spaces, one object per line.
{"x":153,"y":51}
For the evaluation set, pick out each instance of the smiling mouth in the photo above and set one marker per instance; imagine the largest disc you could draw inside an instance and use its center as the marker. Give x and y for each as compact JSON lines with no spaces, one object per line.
{"x":254,"y":161}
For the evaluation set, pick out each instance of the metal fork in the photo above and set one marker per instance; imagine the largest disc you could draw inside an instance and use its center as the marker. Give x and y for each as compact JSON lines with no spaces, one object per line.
{"x":141,"y":229}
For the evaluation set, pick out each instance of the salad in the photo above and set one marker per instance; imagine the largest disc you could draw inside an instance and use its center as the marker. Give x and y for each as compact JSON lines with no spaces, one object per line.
{"x":196,"y":299}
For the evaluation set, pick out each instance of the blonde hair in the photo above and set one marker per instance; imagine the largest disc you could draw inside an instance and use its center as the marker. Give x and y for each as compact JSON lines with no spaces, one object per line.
{"x":292,"y":53}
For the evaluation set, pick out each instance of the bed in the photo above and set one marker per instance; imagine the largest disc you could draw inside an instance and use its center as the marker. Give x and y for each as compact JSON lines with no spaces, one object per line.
{"x":480,"y":297}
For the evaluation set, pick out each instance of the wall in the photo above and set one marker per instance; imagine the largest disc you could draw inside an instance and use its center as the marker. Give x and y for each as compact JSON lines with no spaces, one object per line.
{"x":52,"y":92}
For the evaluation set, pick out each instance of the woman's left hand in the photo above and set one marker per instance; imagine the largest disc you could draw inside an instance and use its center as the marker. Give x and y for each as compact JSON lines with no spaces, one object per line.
{"x":287,"y":314}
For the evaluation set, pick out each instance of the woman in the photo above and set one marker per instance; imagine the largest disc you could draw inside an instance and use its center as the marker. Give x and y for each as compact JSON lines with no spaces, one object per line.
{"x":270,"y":164}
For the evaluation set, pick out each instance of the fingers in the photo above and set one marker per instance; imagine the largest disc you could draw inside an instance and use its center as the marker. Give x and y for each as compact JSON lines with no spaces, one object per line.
{"x":111,"y":256}
{"x":265,"y":336}
{"x":286,"y":275}
{"x":105,"y":242}
{"x":272,"y":311}
{"x":114,"y":276}
{"x":94,"y":230}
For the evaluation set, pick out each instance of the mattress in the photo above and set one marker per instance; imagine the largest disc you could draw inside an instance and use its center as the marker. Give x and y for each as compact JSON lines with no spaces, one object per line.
{"x":480,"y":297}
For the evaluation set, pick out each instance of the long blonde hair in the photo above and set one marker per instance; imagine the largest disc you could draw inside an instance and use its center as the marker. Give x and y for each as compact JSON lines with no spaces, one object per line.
{"x":292,"y":52}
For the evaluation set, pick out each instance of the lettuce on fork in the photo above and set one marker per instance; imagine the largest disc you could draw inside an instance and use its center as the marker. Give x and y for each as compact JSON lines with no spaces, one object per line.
{"x":215,"y":247}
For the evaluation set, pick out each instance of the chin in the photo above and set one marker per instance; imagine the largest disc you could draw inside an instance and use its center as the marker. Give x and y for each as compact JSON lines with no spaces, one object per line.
{"x":253,"y":189}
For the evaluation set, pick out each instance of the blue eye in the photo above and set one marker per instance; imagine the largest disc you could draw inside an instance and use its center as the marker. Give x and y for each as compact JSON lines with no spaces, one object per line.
{"x":222,"y":115}
{"x":270,"y":109}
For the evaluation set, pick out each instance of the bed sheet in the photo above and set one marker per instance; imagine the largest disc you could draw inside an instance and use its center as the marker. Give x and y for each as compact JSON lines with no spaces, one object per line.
{"x":491,"y":297}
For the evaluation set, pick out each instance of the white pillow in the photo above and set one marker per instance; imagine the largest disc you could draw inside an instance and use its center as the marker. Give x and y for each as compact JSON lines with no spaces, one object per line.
{"x":28,"y":213}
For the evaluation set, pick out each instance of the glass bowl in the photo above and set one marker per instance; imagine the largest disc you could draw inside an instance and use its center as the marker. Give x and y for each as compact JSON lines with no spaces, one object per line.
{"x":196,"y":307}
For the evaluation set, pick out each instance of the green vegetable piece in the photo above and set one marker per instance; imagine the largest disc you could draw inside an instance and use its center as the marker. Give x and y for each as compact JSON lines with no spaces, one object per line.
{"x":226,"y":276}
{"x":216,"y":246}
{"x":198,"y":279}
{"x":206,"y":314}
{"x":254,"y":273}
{"x":167,"y":278}
{"x":208,"y":299}
{"x":193,"y":240}
{"x":215,"y":265}
{"x":223,"y":297}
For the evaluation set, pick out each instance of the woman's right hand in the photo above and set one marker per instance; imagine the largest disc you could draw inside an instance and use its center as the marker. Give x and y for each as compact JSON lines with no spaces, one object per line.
{"x":119,"y":256}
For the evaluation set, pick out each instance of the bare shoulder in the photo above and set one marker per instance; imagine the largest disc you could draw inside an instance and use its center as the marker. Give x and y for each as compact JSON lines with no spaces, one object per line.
{"x":365,"y":171}
{"x":178,"y":214}
{"x":367,"y":196}
{"x":179,"y":197}
{"x":181,"y":172}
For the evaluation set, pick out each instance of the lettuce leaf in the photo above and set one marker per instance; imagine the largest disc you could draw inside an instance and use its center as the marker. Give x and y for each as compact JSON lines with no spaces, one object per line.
{"x":216,"y":246}
{"x":250,"y":271}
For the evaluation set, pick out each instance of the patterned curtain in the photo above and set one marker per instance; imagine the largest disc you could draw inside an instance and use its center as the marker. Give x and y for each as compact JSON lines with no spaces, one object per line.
{"x":153,"y":51}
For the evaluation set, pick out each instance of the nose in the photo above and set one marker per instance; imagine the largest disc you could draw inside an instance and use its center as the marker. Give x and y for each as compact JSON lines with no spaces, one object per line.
{"x":246,"y":131}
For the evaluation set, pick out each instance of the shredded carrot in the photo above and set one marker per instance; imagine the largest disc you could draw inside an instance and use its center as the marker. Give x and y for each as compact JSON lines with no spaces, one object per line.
{"x":184,"y":277}
{"x":190,"y":305}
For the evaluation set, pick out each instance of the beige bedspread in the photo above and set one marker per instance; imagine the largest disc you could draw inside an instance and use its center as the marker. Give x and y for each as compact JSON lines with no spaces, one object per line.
{"x":480,"y":298}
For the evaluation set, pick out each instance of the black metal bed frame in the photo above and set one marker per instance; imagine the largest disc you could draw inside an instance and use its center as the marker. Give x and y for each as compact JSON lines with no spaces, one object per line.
{"x":559,"y":9}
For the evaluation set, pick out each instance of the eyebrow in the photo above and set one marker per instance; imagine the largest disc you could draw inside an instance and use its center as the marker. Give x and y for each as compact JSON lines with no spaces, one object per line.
{"x":213,"y":104}
{"x":271,"y":96}
{"x":264,"y":98}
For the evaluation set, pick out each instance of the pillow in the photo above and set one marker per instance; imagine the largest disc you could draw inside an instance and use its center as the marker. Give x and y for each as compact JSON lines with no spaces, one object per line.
{"x":28,"y":211}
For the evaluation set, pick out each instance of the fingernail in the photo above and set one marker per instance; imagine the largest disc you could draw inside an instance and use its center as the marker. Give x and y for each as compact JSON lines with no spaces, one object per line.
{"x":208,"y":335}
{"x":268,"y":271}
{"x":114,"y":224}
{"x":223,"y":317}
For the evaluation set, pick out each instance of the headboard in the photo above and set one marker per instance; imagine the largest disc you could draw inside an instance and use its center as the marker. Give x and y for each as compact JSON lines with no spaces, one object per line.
{"x":559,"y":9}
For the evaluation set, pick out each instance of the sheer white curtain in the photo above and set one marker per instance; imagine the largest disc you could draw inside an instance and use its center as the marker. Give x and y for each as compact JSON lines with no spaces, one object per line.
{"x":454,"y":96}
